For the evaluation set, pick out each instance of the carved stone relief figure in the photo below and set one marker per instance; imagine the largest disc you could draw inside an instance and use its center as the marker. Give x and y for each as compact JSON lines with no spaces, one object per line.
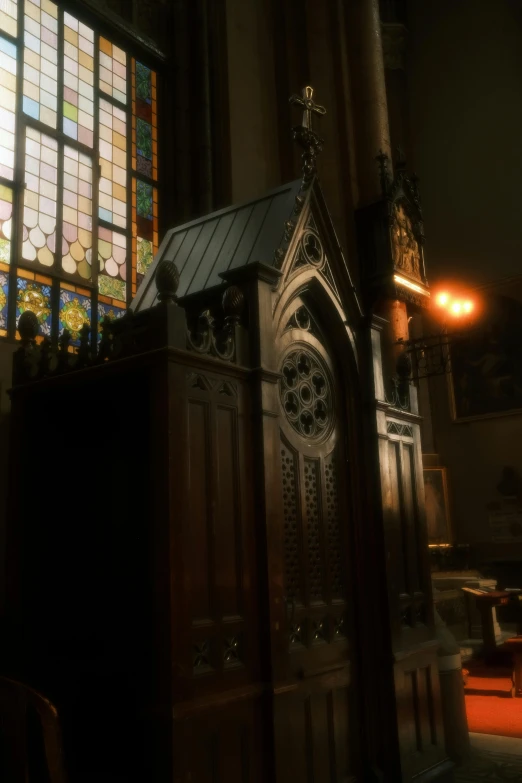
{"x":405,"y":248}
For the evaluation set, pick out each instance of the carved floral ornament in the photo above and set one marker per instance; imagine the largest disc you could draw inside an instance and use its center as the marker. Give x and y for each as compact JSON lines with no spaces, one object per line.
{"x":306,"y":394}
{"x":405,"y":247}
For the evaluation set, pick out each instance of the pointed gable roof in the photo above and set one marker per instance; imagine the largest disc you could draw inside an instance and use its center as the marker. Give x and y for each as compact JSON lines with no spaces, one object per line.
{"x":236,"y":236}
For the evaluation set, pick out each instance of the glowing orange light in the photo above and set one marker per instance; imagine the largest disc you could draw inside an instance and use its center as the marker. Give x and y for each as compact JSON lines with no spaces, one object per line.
{"x":456,"y":308}
{"x":442,"y":300}
{"x":468,"y":307}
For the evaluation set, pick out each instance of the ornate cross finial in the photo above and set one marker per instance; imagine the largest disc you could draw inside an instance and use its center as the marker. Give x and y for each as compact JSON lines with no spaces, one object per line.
{"x":309,"y":106}
{"x":305,"y":135}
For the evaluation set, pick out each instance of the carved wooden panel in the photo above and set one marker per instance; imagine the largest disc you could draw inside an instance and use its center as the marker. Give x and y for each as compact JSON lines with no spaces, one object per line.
{"x":291,"y":532}
{"x":420,"y":729}
{"x":315,"y":559}
{"x":221,"y":557}
{"x":200,"y":527}
{"x":312,"y":489}
{"x":335,"y":551}
{"x":222,"y":744}
{"x":323,"y":712}
{"x":404,"y":539}
{"x":313,"y":730}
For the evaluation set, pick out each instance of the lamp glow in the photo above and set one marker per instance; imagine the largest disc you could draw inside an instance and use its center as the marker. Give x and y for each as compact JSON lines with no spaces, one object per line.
{"x":456,"y":308}
{"x":468,"y":307}
{"x":442,"y":300}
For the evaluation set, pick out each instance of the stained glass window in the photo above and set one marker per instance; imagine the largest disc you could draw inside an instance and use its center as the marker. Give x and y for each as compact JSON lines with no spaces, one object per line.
{"x":8,"y":16}
{"x":75,"y":310}
{"x":6,"y":223}
{"x":79,"y":187}
{"x":78,"y":81}
{"x":8,"y":69}
{"x":145,"y":165}
{"x":33,"y":292}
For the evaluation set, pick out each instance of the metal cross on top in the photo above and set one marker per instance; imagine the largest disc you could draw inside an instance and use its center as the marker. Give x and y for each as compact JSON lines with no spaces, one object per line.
{"x":310,"y":107}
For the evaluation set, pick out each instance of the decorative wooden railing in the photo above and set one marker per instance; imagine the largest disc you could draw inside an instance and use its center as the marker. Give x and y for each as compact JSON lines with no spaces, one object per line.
{"x":131,"y":334}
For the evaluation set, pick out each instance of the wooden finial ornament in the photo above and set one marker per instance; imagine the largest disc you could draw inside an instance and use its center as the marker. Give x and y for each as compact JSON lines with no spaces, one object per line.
{"x":167,"y":281}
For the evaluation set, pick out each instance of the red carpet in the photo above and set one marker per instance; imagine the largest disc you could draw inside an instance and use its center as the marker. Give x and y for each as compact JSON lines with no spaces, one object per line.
{"x":489,"y":706}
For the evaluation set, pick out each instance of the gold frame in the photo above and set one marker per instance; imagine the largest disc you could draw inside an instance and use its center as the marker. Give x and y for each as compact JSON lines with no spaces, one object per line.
{"x":447,"y":539}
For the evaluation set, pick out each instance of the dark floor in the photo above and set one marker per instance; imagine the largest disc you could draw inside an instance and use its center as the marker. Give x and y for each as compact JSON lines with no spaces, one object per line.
{"x":493,"y":760}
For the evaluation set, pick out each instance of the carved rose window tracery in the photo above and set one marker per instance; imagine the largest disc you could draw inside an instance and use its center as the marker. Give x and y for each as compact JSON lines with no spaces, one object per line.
{"x":306,"y":394}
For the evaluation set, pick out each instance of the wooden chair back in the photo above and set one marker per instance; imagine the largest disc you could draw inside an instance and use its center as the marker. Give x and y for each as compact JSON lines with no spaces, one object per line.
{"x":30,"y":736}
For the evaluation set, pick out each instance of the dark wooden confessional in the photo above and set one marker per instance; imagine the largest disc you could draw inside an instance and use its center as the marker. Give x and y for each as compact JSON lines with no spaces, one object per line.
{"x":218,"y":559}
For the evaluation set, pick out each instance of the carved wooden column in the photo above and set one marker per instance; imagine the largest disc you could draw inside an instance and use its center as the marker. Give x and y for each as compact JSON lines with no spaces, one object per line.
{"x":390,"y":230}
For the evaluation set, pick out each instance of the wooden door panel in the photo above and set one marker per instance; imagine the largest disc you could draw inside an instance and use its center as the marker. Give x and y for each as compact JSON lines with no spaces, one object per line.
{"x":223,"y":744}
{"x":419,"y":717}
{"x":313,"y":728}
{"x":313,"y":734}
{"x":315,"y":561}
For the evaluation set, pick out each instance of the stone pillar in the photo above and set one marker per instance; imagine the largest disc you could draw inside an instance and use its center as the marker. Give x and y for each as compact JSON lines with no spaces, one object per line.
{"x":456,"y":733}
{"x":372,"y":136}
{"x":369,"y":95}
{"x":394,"y":41}
{"x":397,"y":328}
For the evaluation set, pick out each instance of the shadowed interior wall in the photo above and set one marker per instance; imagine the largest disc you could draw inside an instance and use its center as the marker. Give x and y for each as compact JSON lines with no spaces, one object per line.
{"x":465,"y":105}
{"x":465,"y":75}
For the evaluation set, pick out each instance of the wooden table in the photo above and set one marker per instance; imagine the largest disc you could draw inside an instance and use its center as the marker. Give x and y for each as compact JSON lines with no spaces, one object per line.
{"x":487,"y":601}
{"x":514,"y":645}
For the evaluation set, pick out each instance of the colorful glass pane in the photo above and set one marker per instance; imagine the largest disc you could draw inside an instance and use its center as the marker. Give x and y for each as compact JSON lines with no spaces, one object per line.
{"x":144,"y":229}
{"x":77,"y":214}
{"x":35,"y":296}
{"x":4,"y":299}
{"x":41,"y":176}
{"x":144,"y":206}
{"x":6,"y":214}
{"x":145,"y":255}
{"x":108,"y":310}
{"x":41,"y":61}
{"x":112,"y":203}
{"x":143,"y":83}
{"x":75,"y":311}
{"x":7,"y":107}
{"x":112,"y":256}
{"x":144,"y":121}
{"x":9,"y":16}
{"x":113,"y":70}
{"x":78,"y":81}
{"x":144,"y":147}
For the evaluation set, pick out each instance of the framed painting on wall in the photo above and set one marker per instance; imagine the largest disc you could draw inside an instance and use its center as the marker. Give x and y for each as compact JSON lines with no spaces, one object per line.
{"x":437,"y":506}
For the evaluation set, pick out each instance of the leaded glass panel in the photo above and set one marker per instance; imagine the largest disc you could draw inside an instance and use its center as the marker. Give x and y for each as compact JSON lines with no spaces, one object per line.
{"x":78,"y":121}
